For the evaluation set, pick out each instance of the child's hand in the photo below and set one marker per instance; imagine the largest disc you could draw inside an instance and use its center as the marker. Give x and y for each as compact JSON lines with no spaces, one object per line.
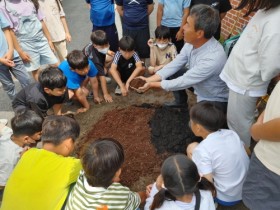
{"x":81,"y":110}
{"x":9,"y":55}
{"x":26,"y":148}
{"x":51,"y":46}
{"x":148,"y":189}
{"x":108,"y":98}
{"x":68,"y":37}
{"x":25,"y":57}
{"x":97,"y":100}
{"x":124,"y":91}
{"x":7,"y":62}
{"x":159,"y":182}
{"x":179,"y":35}
{"x":151,"y":43}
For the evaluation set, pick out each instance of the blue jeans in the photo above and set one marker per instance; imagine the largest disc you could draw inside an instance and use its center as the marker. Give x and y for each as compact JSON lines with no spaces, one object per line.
{"x":19,"y":72}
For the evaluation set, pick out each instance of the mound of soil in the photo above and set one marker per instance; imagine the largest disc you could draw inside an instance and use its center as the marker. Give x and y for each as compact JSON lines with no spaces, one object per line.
{"x":130,"y":127}
{"x":170,"y":130}
{"x":137,"y":83}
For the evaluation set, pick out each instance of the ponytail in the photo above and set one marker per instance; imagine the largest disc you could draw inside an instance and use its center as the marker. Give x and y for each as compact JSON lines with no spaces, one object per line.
{"x":160,"y":197}
{"x":36,"y":5}
{"x":205,"y":184}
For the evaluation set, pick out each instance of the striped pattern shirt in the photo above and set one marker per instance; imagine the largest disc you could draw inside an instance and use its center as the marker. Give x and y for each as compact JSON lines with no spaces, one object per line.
{"x":115,"y":197}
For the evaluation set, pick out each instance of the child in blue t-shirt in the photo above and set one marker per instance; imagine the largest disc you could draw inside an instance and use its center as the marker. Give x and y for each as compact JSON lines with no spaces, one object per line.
{"x":78,"y":69}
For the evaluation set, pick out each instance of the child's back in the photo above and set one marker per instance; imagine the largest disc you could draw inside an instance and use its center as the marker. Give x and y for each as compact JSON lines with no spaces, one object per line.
{"x":98,"y":184}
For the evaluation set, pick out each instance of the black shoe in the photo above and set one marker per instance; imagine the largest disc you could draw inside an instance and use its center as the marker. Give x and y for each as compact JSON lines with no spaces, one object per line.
{"x":175,"y":104}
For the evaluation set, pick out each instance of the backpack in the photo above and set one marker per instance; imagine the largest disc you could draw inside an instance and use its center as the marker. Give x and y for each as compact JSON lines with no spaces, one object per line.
{"x":229,"y":44}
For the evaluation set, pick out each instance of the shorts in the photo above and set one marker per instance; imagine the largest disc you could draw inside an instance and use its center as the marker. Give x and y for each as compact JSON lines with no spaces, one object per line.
{"x":261,"y":187}
{"x":40,"y":53}
{"x":60,"y":50}
{"x":140,"y":37}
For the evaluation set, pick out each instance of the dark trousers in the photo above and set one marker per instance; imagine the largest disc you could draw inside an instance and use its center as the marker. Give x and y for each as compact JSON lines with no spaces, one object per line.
{"x":180,"y":96}
{"x":179,"y":44}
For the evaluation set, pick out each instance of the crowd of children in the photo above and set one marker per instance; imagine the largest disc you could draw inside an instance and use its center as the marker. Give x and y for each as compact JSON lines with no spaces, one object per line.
{"x":184,"y":54}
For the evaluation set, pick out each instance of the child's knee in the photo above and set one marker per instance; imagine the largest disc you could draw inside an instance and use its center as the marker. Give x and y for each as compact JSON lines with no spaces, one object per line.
{"x":191,"y":148}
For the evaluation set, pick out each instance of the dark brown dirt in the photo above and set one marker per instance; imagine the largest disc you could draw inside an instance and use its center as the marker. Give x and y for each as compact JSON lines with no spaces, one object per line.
{"x":137,"y":83}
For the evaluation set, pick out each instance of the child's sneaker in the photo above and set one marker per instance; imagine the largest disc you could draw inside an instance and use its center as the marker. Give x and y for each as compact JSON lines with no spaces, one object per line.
{"x":118,"y":90}
{"x":108,"y":79}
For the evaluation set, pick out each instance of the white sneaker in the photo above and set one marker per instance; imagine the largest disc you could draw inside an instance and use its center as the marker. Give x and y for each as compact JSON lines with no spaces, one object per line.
{"x":118,"y":90}
{"x":108,"y":80}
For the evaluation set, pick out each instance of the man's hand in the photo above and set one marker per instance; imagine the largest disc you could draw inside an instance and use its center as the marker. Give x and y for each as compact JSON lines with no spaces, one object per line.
{"x":25,"y":57}
{"x":108,"y":98}
{"x":7,"y":62}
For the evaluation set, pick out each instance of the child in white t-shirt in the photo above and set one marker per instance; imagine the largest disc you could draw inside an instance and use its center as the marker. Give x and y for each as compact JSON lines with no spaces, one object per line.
{"x":180,"y":187}
{"x":162,"y":50}
{"x":221,"y":156}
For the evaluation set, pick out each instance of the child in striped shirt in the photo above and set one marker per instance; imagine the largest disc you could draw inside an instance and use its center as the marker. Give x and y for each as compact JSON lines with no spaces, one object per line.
{"x":98,"y":185}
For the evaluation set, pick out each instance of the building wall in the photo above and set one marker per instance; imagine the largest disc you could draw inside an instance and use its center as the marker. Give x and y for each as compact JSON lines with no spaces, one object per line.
{"x":234,"y":20}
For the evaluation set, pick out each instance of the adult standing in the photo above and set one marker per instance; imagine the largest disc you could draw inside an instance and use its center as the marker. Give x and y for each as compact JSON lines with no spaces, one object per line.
{"x":253,"y":62}
{"x":135,"y":14}
{"x":204,"y":57}
{"x":102,"y":16}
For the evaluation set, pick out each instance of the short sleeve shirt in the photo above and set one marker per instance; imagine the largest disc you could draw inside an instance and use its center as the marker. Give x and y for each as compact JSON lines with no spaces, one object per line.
{"x":75,"y":80}
{"x":135,"y":13}
{"x":96,"y":57}
{"x":173,"y":12}
{"x":125,"y":67}
{"x":14,"y":11}
{"x":9,"y":155}
{"x":41,"y":180}
{"x":33,"y":97}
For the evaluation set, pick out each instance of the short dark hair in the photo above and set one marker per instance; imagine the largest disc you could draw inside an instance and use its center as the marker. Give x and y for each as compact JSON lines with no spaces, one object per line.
{"x":180,"y":177}
{"x":26,"y":122}
{"x":206,"y":18}
{"x":162,"y":32}
{"x":126,"y":43}
{"x":57,"y":128}
{"x":99,"y":37}
{"x":52,"y":77}
{"x":255,"y":5}
{"x":101,"y":159}
{"x":208,"y":115}
{"x":77,"y":60}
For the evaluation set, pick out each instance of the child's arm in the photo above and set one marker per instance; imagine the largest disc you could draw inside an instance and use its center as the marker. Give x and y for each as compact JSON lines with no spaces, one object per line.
{"x":180,"y":35}
{"x":143,"y":196}
{"x":47,"y":35}
{"x":24,"y":56}
{"x":139,"y":68}
{"x":115,"y":74}
{"x":57,"y":109}
{"x":150,"y":8}
{"x":66,"y":29}
{"x":106,"y":94}
{"x":94,"y":85}
{"x":9,"y":54}
{"x":159,"y":14}
{"x":120,"y":10}
{"x":81,"y":96}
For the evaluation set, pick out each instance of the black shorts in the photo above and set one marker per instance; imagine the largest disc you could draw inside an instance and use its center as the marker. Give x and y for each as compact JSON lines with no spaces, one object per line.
{"x":140,"y":37}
